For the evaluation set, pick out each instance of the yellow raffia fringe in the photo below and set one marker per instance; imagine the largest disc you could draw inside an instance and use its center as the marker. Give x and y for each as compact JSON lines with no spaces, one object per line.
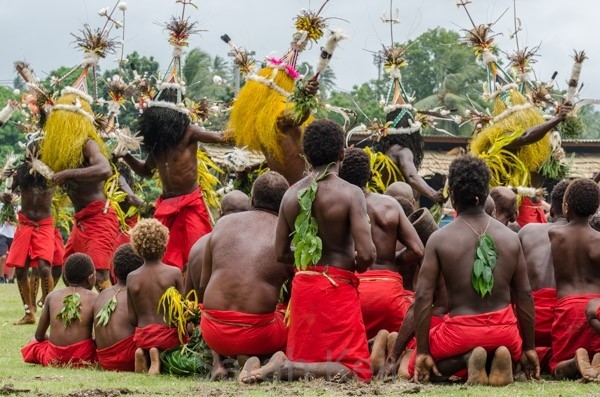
{"x":115,"y":195}
{"x":384,"y":171}
{"x":66,"y":134}
{"x":207,"y":180}
{"x":253,"y":121}
{"x":506,"y":167}
{"x":177,"y":311}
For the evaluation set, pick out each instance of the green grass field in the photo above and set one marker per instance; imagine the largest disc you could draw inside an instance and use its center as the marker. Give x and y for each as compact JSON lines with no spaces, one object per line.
{"x":33,"y":380}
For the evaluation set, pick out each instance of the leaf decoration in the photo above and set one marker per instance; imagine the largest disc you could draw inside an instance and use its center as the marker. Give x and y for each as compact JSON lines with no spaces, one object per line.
{"x":107,"y":310}
{"x":486,"y":256}
{"x":71,"y":309}
{"x":193,"y":358}
{"x":307,"y":243}
{"x":179,"y":311}
{"x":302,"y":103}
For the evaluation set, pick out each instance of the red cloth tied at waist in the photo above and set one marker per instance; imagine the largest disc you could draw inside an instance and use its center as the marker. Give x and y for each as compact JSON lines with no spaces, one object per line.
{"x":459,"y":334}
{"x":34,"y":240}
{"x":570,"y":329}
{"x":160,"y":336}
{"x":231,"y":333}
{"x":59,"y":248}
{"x":124,"y":237}
{"x":94,"y":233}
{"x":383,"y":300}
{"x":435,"y":321}
{"x":119,"y":356}
{"x":544,"y":301}
{"x":326,"y":322}
{"x":187,"y":219}
{"x":530,"y":212}
{"x":46,"y":353}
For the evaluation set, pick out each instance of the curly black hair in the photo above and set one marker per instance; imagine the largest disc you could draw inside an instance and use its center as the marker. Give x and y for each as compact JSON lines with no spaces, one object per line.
{"x":323,"y":142}
{"x":78,"y":267}
{"x":558,"y":195}
{"x":505,"y":201}
{"x":583,"y":197}
{"x":356,"y":167}
{"x":163,"y":128}
{"x":413,"y":142}
{"x":268,"y":191}
{"x":469,"y":180}
{"x":595,"y":222}
{"x":406,"y":205}
{"x":28,"y":179}
{"x":125,"y":261}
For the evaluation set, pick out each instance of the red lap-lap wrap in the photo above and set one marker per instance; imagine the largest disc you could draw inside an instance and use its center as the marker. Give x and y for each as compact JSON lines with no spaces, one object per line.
{"x":571,"y":331}
{"x":118,"y":357}
{"x":94,"y":233}
{"x":326,"y":323}
{"x":160,"y":336}
{"x":124,"y":237}
{"x":59,"y":248}
{"x":544,"y":301}
{"x":232,"y":333}
{"x":530,"y":212}
{"x":78,"y":354}
{"x":460,"y":334}
{"x":34,"y":240}
{"x":187,"y":219}
{"x":383,"y":300}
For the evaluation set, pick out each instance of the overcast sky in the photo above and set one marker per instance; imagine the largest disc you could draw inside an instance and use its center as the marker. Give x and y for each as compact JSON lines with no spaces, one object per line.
{"x":39,"y":31}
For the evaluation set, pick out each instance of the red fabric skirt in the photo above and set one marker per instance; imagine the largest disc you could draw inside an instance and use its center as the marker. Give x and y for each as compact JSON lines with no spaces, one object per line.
{"x":459,"y":334}
{"x":187,"y":219}
{"x":156,"y":335}
{"x":570,"y":329}
{"x":59,"y":248}
{"x":78,"y":354}
{"x":435,"y":321}
{"x":544,"y":300}
{"x":94,"y":233}
{"x":34,"y":240}
{"x":383,"y":300}
{"x":118,"y":357}
{"x":232,"y":333}
{"x":530,"y":213}
{"x":124,"y":236}
{"x":326,"y":323}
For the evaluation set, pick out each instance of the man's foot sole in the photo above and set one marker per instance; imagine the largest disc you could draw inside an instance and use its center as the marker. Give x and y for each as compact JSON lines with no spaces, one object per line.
{"x":501,"y":373}
{"x":476,"y":367}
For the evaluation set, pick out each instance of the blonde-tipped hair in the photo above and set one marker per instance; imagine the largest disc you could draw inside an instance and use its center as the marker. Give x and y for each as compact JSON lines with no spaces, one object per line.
{"x":149,"y":239}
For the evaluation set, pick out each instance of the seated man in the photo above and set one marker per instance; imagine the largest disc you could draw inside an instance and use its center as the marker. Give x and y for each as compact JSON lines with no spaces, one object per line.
{"x":327,"y":337}
{"x":383,"y":300}
{"x":145,"y":287}
{"x":241,"y":278}
{"x":113,"y":331}
{"x":506,"y":204}
{"x":69,"y":315}
{"x":575,"y":256}
{"x":482,"y":264}
{"x":231,"y":203}
{"x":538,"y":258}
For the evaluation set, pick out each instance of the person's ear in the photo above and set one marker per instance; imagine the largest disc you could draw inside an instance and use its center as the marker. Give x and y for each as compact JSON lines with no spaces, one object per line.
{"x":92,"y":280}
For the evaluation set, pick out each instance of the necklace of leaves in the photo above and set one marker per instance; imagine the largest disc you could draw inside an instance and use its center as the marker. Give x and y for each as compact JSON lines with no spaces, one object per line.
{"x":486,"y":256}
{"x":71,"y":309}
{"x":308,"y":245}
{"x":108,"y":309}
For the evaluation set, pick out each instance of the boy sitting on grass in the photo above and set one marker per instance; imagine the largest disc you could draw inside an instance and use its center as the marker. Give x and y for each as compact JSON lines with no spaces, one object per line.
{"x":113,"y":331}
{"x":69,"y":315}
{"x":145,"y":286}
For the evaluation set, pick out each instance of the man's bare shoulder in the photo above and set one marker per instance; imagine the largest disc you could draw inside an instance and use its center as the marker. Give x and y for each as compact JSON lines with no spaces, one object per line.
{"x":383,"y":200}
{"x":558,"y":232}
{"x":200,"y":244}
{"x":534,"y":228}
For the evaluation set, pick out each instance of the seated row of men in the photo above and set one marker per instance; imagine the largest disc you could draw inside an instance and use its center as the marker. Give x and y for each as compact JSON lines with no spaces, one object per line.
{"x":355,"y":291}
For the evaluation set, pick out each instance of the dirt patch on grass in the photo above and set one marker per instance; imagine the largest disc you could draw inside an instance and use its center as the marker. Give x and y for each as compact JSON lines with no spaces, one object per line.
{"x":100,"y":393}
{"x":10,"y":390}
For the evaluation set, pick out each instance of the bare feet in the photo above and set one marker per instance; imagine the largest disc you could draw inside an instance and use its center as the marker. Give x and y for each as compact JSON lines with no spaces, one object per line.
{"x":27,"y":319}
{"x":378,"y":352}
{"x":141,"y":365}
{"x":596,"y":366}
{"x":404,"y":361}
{"x":391,"y":341}
{"x":587,"y":370}
{"x":252,"y":364}
{"x":274,"y":366}
{"x":501,"y":373}
{"x":476,"y":367}
{"x":154,"y":361}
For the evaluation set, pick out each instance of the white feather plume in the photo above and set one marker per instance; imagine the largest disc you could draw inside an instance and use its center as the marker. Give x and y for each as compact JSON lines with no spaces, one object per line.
{"x":327,"y":51}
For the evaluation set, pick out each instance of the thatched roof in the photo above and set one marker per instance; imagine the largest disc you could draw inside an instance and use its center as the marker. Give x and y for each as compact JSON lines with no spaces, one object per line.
{"x":583,"y":165}
{"x":232,"y":158}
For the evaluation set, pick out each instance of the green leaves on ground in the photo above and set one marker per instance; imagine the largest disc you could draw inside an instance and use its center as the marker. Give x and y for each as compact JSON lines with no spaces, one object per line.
{"x":486,"y":256}
{"x":71,"y":310}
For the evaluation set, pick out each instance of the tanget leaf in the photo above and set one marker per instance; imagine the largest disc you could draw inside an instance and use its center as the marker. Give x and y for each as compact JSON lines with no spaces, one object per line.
{"x":486,"y":256}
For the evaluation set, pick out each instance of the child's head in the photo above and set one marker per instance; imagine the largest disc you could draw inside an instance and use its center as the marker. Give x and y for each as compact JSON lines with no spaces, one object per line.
{"x":79,"y":270}
{"x":125,"y":261}
{"x":149,"y":239}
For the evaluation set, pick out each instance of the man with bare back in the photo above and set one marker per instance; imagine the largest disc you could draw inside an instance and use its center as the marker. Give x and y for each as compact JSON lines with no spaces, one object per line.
{"x":324,"y":295}
{"x":484,"y":270}
{"x":575,"y":257}
{"x":172,"y":142}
